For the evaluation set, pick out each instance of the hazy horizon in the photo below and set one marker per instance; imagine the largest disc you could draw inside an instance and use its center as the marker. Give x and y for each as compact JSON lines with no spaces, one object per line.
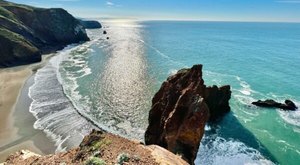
{"x":205,"y":10}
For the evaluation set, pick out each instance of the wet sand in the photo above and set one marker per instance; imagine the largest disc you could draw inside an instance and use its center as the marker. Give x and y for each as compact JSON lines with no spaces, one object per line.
{"x":16,"y":122}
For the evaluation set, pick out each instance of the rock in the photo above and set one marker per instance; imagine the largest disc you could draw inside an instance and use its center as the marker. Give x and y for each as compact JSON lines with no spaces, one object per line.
{"x":21,"y":156}
{"x":217,"y":99}
{"x":289,"y":105}
{"x":104,"y":32}
{"x":89,"y":24}
{"x":107,"y":38}
{"x":163,"y":156}
{"x":47,"y":30}
{"x":88,"y":141}
{"x":180,"y":110}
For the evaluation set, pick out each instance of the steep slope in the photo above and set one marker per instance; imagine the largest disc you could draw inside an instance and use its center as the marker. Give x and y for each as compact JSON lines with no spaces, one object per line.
{"x":15,"y":49}
{"x":44,"y":29}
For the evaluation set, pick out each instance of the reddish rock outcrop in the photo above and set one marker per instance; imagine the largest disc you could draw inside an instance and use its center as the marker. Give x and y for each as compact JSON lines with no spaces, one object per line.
{"x":180,"y":110}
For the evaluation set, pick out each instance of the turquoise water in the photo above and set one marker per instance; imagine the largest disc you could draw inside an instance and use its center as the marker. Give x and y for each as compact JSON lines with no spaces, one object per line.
{"x":259,"y":61}
{"x":111,"y":82}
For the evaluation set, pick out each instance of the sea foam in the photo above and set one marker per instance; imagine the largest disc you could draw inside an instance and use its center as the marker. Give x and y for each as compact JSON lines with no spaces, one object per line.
{"x":215,"y":150}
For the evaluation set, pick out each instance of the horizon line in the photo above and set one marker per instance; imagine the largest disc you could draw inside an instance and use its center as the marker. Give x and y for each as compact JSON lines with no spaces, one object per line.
{"x":188,"y":20}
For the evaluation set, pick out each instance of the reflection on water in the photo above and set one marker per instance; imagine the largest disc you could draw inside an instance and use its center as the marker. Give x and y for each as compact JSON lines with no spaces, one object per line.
{"x":115,"y":93}
{"x":123,"y":88}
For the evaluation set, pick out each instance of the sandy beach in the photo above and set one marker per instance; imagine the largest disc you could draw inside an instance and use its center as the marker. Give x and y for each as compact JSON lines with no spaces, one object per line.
{"x":16,"y":122}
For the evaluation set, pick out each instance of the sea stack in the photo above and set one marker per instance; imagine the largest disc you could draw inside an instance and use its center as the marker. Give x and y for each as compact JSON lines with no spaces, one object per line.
{"x":180,"y":110}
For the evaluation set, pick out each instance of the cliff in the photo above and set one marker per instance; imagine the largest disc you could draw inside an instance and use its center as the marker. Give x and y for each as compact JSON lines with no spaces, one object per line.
{"x":90,"y":24}
{"x":27,"y":32}
{"x":180,"y":110}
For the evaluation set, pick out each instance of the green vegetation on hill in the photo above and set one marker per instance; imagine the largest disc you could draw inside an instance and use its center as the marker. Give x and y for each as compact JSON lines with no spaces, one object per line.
{"x":6,"y":14}
{"x":15,"y":49}
{"x":27,"y":32}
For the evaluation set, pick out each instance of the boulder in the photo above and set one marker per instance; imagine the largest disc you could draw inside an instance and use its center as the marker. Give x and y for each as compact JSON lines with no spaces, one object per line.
{"x":180,"y":110}
{"x":288,"y":105}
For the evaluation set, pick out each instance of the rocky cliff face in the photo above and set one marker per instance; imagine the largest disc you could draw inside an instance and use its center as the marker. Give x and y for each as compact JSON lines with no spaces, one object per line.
{"x":180,"y":110}
{"x":43,"y":29}
{"x":90,"y":24}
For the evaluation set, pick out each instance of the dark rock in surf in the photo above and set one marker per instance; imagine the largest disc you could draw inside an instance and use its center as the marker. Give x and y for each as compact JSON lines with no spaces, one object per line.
{"x":104,"y":32}
{"x":180,"y":110}
{"x":107,"y":38}
{"x":289,"y":105}
{"x":217,"y":99}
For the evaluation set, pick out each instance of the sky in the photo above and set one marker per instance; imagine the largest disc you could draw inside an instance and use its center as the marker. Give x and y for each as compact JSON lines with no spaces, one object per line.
{"x":204,"y":10}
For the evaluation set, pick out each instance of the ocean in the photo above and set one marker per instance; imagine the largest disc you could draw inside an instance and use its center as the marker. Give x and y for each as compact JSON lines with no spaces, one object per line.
{"x":109,"y":83}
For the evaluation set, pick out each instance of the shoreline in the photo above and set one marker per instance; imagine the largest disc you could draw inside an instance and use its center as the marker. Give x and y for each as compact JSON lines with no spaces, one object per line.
{"x":16,"y":122}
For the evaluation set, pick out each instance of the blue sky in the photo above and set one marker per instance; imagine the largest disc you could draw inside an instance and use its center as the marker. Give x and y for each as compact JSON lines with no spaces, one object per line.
{"x":206,"y":10}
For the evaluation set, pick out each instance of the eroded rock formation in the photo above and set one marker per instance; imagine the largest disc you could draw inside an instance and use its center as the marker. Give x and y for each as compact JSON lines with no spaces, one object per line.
{"x":180,"y":110}
{"x":288,"y":104}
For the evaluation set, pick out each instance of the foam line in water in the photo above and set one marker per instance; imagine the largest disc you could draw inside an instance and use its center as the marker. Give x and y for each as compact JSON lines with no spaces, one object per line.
{"x":54,"y":112}
{"x":291,"y":117}
{"x":90,"y":105}
{"x":216,"y":150}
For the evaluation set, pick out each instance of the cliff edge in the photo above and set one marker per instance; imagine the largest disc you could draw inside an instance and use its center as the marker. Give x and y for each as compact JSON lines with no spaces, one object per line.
{"x":100,"y":148}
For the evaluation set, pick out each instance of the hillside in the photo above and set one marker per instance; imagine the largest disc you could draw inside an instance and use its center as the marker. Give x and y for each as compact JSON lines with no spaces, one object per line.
{"x":27,"y":32}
